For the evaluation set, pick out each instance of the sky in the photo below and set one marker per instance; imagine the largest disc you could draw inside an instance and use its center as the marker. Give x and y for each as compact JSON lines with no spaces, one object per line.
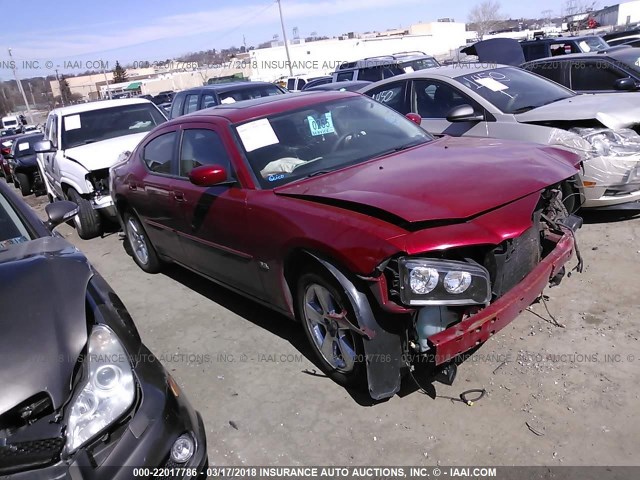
{"x":50,"y":33}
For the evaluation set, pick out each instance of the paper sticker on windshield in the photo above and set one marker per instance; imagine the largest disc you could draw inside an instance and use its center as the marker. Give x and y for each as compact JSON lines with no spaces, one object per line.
{"x":492,"y":84}
{"x":23,"y":146}
{"x":72,"y":122}
{"x":258,"y":134}
{"x":321,"y":125}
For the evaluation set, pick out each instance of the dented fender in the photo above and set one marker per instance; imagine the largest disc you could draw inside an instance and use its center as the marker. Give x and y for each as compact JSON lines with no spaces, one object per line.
{"x":383,"y":377}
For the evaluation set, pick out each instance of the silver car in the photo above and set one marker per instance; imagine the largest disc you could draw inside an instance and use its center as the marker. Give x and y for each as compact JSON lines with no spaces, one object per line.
{"x":505,"y":102}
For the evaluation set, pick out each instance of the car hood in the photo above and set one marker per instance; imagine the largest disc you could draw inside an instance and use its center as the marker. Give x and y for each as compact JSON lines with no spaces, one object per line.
{"x":27,"y":161}
{"x":613,"y":110}
{"x":103,"y":154}
{"x":43,"y":320}
{"x":447,"y":179}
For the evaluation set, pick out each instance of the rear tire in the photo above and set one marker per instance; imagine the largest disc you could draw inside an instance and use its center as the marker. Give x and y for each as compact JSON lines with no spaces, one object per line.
{"x":24,"y":184}
{"x":339,"y":351}
{"x":140,"y":247}
{"x":87,"y":220}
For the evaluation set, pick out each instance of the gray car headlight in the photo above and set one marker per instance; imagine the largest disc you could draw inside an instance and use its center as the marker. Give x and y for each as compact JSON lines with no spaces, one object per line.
{"x":605,"y":142}
{"x":426,"y":281}
{"x":106,"y":392}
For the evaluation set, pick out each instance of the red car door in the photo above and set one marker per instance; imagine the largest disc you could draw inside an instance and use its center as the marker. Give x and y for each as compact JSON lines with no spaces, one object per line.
{"x":214,"y":228}
{"x":151,"y":193}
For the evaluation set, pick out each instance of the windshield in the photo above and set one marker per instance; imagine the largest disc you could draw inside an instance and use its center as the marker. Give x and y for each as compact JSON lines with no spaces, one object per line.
{"x":629,"y":58}
{"x":23,"y":148}
{"x":12,"y":230}
{"x":324,"y":137}
{"x":10,"y":123}
{"x":105,"y":123}
{"x":513,"y":90}
{"x":592,"y":44}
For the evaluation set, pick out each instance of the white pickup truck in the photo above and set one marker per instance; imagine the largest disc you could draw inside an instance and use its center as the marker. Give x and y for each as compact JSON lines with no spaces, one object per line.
{"x":80,"y":143}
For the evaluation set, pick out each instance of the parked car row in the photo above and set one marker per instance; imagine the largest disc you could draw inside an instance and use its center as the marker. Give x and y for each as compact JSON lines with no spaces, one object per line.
{"x":402,"y":226}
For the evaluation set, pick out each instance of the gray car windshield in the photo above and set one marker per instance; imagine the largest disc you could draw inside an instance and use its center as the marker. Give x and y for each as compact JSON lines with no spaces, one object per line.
{"x":513,"y":90}
{"x":105,"y":123}
{"x":324,"y":137}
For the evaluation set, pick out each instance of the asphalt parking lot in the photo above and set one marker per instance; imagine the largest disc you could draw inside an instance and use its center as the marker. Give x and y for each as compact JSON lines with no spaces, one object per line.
{"x":556,"y":395}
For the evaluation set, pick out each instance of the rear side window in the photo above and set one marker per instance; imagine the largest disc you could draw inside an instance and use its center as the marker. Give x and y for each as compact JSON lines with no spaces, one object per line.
{"x":202,"y":147}
{"x":176,"y":106}
{"x":551,"y":70}
{"x":291,"y":84}
{"x":593,"y":76}
{"x":209,"y":100}
{"x":391,"y":95}
{"x":344,"y":77}
{"x":191,"y":103}
{"x":158,"y":153}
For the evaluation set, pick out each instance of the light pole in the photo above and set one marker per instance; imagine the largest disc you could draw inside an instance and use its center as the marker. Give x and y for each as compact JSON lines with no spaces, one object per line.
{"x":24,"y":95}
{"x":59,"y":88}
{"x":284,"y":36}
{"x":106,"y":79}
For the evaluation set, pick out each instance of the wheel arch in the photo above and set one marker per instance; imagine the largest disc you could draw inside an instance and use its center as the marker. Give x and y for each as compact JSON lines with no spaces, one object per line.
{"x":383,"y":376}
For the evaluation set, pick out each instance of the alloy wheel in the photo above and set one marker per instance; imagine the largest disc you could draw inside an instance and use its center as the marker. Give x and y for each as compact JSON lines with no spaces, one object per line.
{"x":322,"y":315}
{"x":137,"y":240}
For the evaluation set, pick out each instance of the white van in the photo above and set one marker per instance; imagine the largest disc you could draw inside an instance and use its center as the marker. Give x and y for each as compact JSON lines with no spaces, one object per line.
{"x":11,"y":121}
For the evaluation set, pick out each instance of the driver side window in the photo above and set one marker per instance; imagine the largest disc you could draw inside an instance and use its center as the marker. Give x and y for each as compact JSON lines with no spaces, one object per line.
{"x":433,"y":99}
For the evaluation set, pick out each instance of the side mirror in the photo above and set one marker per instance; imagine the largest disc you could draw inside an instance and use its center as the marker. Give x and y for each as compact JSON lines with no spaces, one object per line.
{"x":60,"y":212}
{"x":414,"y":117}
{"x":625,"y":84}
{"x":464,"y":113}
{"x":208,"y":175}
{"x":43,"y":146}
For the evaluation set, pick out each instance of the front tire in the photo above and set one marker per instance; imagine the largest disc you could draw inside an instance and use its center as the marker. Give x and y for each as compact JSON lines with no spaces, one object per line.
{"x":320,"y":302}
{"x":87,"y":220}
{"x":141,"y":248}
{"x":24,"y":184}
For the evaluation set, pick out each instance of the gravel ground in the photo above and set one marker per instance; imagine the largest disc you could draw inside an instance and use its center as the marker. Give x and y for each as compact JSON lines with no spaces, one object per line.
{"x":556,"y":395}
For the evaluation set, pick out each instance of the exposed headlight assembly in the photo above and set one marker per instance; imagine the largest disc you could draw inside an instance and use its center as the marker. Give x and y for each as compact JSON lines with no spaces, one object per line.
{"x":605,"y":142}
{"x":106,"y":392}
{"x":426,"y":281}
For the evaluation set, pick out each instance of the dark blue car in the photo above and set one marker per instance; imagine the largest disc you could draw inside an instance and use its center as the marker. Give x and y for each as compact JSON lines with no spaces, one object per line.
{"x":23,"y":165}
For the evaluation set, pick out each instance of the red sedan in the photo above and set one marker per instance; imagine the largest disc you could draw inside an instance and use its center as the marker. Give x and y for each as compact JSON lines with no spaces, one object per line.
{"x":388,"y":245}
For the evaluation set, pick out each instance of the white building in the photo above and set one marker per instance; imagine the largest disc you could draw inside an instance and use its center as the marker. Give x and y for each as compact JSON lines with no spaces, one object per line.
{"x":622,"y":14}
{"x":322,"y":57}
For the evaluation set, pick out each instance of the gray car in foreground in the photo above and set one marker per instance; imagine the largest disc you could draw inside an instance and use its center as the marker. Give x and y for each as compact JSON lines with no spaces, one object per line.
{"x":505,"y":102}
{"x":81,"y":397}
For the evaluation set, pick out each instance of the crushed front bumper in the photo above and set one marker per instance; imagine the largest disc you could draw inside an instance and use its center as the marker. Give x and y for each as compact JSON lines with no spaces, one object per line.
{"x":104,"y":203}
{"x":478,"y":328}
{"x":611,"y":182}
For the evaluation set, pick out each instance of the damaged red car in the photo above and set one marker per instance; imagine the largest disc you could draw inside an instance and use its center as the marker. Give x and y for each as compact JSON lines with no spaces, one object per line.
{"x":389,"y":246}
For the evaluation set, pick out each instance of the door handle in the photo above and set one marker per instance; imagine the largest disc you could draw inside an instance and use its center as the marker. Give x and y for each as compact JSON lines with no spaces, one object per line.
{"x":178,"y":196}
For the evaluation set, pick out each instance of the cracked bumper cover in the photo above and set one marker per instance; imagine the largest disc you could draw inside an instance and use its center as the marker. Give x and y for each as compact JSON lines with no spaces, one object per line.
{"x":480,"y":327}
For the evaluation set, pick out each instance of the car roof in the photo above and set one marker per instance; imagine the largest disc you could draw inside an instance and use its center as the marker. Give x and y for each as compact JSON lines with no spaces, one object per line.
{"x":450,"y":71}
{"x":560,"y":39}
{"x":29,"y":136}
{"x":613,"y":52}
{"x":260,"y":107}
{"x":228,"y":86}
{"x":351,"y":84}
{"x":87,"y":107}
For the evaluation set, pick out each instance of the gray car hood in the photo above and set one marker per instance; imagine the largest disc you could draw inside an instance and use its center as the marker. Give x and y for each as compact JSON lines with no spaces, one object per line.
{"x":43,"y":321}
{"x":613,"y":110}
